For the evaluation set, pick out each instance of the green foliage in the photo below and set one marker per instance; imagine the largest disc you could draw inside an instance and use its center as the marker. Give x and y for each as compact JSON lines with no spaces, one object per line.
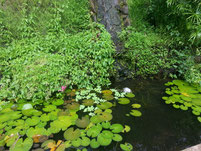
{"x":145,"y":52}
{"x":23,"y":18}
{"x":37,"y":67}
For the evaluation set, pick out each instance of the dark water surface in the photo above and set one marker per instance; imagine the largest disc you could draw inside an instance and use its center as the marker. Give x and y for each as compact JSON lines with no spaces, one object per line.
{"x":161,"y":127}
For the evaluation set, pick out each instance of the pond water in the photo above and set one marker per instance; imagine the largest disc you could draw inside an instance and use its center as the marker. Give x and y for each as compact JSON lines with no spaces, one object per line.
{"x":161,"y":127}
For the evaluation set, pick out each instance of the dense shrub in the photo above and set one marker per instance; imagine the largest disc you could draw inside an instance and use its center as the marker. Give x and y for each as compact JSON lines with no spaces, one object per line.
{"x":24,"y":18}
{"x":35,"y":68}
{"x":145,"y":52}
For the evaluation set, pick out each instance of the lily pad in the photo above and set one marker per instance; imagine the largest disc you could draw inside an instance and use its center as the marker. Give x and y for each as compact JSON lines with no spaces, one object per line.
{"x":123,"y":101}
{"x":94,"y":144}
{"x":136,"y":106}
{"x":116,"y":128}
{"x":77,"y":142}
{"x":136,"y":113}
{"x":58,"y":102}
{"x":82,"y":123}
{"x":32,"y":121}
{"x":117,"y":138}
{"x":107,"y":92}
{"x":71,"y":134}
{"x":106,"y":125}
{"x":49,"y":108}
{"x":103,"y":141}
{"x":94,"y":131}
{"x":73,"y":106}
{"x":105,"y":105}
{"x":108,"y":97}
{"x":22,"y":145}
{"x":85,"y":141}
{"x":126,"y":147}
{"x":88,"y":102}
{"x":130,"y":95}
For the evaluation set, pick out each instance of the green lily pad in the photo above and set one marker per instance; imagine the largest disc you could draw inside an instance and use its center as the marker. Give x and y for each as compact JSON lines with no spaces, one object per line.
{"x":94,"y":131}
{"x":196,"y":113}
{"x":123,"y":101}
{"x":82,"y":123}
{"x":77,"y":142}
{"x":45,"y":144}
{"x":183,"y":107}
{"x":32,"y":121}
{"x":176,"y":106}
{"x":199,"y":119}
{"x":136,"y":106}
{"x":36,"y":131}
{"x":106,"y":125}
{"x":136,"y":113}
{"x":94,"y":144}
{"x":88,"y":102}
{"x":105,"y":116}
{"x":85,"y":141}
{"x":107,"y":134}
{"x":71,"y":134}
{"x":130,"y":95}
{"x":103,"y":141}
{"x":126,"y":147}
{"x":73,"y":106}
{"x":117,"y":138}
{"x":58,"y":102}
{"x":22,"y":145}
{"x":116,"y":128}
{"x":105,"y":105}
{"x":108,"y":97}
{"x":45,"y":117}
{"x":49,"y":108}
{"x":107,"y":92}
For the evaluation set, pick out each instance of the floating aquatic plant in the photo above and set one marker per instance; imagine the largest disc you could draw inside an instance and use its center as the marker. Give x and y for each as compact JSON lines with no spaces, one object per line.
{"x":130,"y":95}
{"x":22,"y":145}
{"x":94,"y":143}
{"x":71,"y":134}
{"x":136,"y":113}
{"x":184,"y":96}
{"x":117,"y":137}
{"x":49,"y":108}
{"x":58,"y":102}
{"x":116,"y":128}
{"x":123,"y":101}
{"x":126,"y":147}
{"x":88,"y":102}
{"x":105,"y":105}
{"x":136,"y":106}
{"x":83,"y":123}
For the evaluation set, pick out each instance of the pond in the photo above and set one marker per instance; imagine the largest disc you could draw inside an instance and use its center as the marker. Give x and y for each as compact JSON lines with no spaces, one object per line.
{"x":161,"y":127}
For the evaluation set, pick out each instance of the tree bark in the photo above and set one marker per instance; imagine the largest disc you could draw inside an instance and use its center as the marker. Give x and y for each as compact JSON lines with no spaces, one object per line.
{"x":113,"y":14}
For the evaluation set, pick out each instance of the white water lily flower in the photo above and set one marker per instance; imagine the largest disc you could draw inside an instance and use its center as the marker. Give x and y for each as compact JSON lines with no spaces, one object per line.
{"x":127,"y":90}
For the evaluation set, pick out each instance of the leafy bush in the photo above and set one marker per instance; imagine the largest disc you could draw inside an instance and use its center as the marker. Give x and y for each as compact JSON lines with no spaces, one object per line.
{"x":37,"y":67}
{"x":22,"y":18}
{"x":145,"y":51}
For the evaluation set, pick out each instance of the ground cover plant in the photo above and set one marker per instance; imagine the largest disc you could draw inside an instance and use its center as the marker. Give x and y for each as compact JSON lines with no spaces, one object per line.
{"x":38,"y":122}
